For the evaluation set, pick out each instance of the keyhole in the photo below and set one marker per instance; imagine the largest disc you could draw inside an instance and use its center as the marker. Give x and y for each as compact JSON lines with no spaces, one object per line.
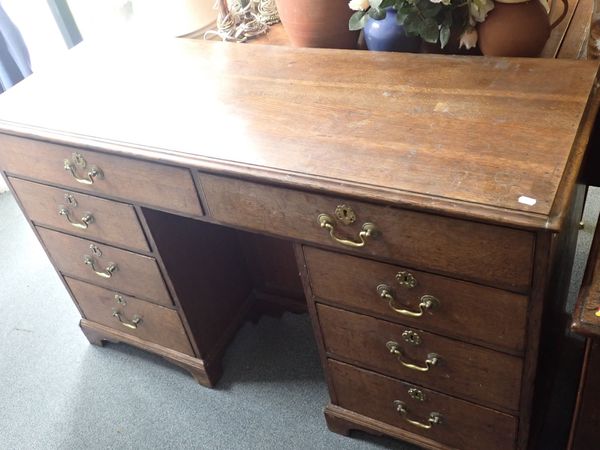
{"x":416,"y":394}
{"x":345,"y":214}
{"x":411,"y":337}
{"x":95,"y":250}
{"x":79,"y":160}
{"x":406,"y":279}
{"x":70,"y":199}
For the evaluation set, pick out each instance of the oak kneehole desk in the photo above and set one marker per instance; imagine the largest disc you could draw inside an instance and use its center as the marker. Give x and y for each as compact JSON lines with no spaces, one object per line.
{"x":429,"y":204}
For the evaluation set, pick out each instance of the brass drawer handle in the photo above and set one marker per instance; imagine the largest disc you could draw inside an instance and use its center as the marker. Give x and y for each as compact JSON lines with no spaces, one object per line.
{"x":133,"y":324}
{"x":432,"y":358}
{"x":434,"y":418}
{"x":85,"y":220}
{"x":106,"y":273}
{"x":427,"y":302}
{"x":368,"y":230}
{"x":77,"y":160}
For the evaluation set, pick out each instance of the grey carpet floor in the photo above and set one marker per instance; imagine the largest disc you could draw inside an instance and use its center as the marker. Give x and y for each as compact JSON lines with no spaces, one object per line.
{"x":59,"y":392}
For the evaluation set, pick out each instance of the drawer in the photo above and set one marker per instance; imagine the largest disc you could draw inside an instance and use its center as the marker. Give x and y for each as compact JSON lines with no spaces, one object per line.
{"x":165,"y":187}
{"x":495,"y":255}
{"x":464,"y":370}
{"x":134,"y":274}
{"x":460,"y":424}
{"x":84,"y":215}
{"x":465,"y":310}
{"x":132,"y":316}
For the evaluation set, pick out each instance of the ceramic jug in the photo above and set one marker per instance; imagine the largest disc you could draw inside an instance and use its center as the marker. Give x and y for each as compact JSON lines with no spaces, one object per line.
{"x":517,"y":28}
{"x":386,"y":35}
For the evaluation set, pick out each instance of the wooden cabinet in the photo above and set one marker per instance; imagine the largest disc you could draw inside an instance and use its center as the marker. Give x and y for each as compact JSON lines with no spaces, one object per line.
{"x":167,"y":187}
{"x":399,"y":294}
{"x":130,"y":315}
{"x":586,"y":321}
{"x":107,"y":251}
{"x":446,"y":365}
{"x":80,"y":214}
{"x":434,"y":418}
{"x":432,"y":208}
{"x":412,"y":238}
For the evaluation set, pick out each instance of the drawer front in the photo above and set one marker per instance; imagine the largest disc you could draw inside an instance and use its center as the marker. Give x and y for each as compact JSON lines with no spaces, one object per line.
{"x":464,"y":370}
{"x":495,"y":255}
{"x":134,"y":274}
{"x":84,"y":215}
{"x":132,"y":316}
{"x":460,"y":309}
{"x":461,"y":424}
{"x":166,"y":187}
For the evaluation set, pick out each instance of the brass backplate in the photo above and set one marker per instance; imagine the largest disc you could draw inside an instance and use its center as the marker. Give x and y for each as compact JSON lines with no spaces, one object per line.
{"x":412,"y":337}
{"x":345,"y":214}
{"x":70,"y":199}
{"x":79,"y":160}
{"x":406,"y":279}
{"x":416,"y":394}
{"x":95,"y":250}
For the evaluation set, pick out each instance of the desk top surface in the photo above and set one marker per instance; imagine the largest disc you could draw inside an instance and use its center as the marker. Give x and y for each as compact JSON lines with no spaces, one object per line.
{"x":444,"y":133}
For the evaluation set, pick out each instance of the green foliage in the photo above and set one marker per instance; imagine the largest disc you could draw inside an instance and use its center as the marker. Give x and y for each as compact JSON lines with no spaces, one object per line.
{"x":358,"y":20}
{"x":432,"y":21}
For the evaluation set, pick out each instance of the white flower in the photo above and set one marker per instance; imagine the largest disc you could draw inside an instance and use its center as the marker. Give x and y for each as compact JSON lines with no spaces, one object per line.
{"x":468,"y":39}
{"x":443,"y":2}
{"x":359,"y":5}
{"x":479,"y":9}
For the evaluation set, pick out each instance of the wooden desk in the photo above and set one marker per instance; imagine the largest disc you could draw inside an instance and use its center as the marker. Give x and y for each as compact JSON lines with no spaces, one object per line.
{"x":432,"y":207}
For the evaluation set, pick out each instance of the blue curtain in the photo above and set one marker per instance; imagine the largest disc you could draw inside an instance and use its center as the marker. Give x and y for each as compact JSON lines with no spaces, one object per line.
{"x":14,"y":57}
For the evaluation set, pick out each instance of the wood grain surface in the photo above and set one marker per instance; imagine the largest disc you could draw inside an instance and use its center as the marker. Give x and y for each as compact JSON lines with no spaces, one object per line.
{"x":113,"y":222}
{"x":438,"y":131}
{"x":465,"y":426}
{"x":136,"y":275}
{"x":205,"y":265}
{"x":158,"y":324}
{"x":585,"y":320}
{"x":574,"y":42}
{"x":159,"y":185}
{"x":466,"y":371}
{"x":468,"y":311}
{"x":497,"y":255}
{"x":98,"y":334}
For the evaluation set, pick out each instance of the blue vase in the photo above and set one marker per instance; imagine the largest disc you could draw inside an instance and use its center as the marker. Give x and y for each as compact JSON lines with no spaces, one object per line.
{"x":387,"y":36}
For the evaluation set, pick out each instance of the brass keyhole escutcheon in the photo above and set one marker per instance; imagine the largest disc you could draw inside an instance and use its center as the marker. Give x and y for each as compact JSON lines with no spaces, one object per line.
{"x":95,"y":250}
{"x":120,"y":300}
{"x":416,"y":394}
{"x":406,"y":279}
{"x":79,"y":160}
{"x":70,"y":199}
{"x":411,"y":337}
{"x":345,"y":214}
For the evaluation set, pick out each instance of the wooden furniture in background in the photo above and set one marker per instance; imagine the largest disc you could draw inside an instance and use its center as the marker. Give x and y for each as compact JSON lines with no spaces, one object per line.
{"x":586,"y":321}
{"x":432,"y":209}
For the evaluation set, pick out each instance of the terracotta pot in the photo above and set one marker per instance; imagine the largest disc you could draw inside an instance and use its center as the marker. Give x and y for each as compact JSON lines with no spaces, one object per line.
{"x":516,"y":29}
{"x":317,"y":23}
